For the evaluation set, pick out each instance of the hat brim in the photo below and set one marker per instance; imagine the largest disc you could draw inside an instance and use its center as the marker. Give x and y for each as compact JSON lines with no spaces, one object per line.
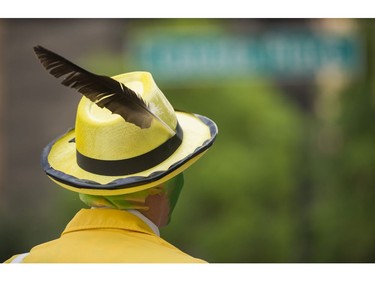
{"x":59,"y":161}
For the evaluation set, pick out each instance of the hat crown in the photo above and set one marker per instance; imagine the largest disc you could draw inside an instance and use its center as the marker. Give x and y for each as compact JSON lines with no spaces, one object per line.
{"x":103,"y":135}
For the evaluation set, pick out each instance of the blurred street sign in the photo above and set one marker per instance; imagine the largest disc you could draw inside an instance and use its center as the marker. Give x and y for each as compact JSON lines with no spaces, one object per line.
{"x":283,"y":54}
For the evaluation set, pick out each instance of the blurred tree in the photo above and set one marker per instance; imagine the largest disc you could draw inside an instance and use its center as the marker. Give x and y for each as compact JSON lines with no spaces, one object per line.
{"x":238,"y":203}
{"x":345,"y":195}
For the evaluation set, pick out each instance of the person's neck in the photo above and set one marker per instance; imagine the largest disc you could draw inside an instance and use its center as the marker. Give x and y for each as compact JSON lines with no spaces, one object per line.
{"x":145,"y":219}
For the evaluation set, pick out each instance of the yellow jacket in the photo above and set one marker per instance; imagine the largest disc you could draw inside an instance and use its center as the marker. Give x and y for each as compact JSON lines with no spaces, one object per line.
{"x":107,"y":236}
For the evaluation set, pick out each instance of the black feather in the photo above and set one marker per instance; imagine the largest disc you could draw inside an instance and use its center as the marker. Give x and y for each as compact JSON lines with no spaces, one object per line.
{"x":103,"y":90}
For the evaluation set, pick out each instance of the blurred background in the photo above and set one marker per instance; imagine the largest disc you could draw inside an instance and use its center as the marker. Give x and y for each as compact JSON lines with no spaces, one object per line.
{"x":291,"y":175}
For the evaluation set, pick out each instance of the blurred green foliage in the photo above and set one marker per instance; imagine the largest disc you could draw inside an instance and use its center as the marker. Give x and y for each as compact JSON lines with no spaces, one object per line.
{"x":343,"y":211}
{"x":238,"y":201}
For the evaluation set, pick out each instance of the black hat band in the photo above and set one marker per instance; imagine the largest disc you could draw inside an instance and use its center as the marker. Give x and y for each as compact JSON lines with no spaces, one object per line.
{"x":132,"y":165}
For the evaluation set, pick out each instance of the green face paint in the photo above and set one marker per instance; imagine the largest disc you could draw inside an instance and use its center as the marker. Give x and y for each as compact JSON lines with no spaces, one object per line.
{"x":136,"y":201}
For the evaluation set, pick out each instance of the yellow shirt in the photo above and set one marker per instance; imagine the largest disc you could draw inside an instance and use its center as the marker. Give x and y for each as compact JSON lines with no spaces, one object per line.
{"x":107,"y":236}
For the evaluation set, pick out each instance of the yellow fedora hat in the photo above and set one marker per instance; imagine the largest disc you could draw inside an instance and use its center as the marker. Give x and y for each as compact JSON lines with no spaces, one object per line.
{"x":107,"y":154}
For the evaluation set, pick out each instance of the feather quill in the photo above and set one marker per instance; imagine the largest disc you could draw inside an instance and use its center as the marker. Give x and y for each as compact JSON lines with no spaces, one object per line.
{"x":102,"y":90}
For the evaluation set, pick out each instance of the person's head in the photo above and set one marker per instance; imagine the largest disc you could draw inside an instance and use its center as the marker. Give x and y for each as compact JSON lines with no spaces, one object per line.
{"x":156,"y":203}
{"x":129,"y":146}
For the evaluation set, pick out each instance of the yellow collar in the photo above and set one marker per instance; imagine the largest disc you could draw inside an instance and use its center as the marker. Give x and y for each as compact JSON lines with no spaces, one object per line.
{"x":106,"y":218}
